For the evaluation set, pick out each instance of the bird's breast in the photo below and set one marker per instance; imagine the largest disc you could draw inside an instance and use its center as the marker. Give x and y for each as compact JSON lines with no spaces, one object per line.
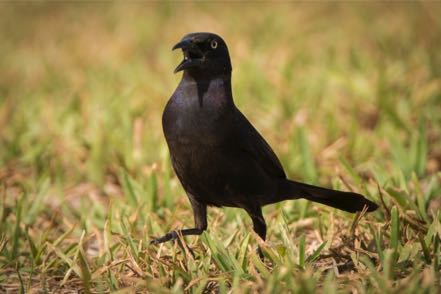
{"x":188,"y":118}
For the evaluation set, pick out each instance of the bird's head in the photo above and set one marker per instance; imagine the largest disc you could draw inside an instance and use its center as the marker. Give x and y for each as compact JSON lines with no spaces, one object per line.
{"x":205,"y":54}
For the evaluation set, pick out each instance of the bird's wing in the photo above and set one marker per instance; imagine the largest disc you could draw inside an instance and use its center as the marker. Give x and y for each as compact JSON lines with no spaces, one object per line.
{"x":255,"y":146}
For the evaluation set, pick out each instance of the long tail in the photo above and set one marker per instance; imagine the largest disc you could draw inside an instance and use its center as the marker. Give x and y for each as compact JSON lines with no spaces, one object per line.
{"x":347,"y":201}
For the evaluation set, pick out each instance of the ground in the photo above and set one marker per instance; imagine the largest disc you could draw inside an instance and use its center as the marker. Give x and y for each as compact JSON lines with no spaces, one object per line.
{"x":348,"y":95}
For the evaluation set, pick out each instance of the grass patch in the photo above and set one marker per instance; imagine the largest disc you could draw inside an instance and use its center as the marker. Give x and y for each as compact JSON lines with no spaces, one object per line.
{"x":348,"y":96}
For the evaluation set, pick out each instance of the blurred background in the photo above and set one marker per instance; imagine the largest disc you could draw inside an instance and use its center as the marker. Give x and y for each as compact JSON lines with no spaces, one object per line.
{"x":348,"y":95}
{"x":83,"y":85}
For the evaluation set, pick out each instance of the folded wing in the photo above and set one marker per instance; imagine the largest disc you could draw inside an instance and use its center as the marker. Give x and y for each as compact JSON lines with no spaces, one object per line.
{"x":254,"y":145}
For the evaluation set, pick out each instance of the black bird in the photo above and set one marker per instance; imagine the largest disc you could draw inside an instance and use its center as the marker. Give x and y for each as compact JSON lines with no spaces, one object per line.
{"x":217,"y":154}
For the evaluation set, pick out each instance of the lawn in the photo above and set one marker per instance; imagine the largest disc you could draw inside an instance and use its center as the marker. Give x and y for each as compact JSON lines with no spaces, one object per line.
{"x":348,"y":95}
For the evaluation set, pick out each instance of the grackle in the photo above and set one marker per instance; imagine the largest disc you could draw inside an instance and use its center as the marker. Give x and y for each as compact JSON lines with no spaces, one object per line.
{"x":217,"y":154}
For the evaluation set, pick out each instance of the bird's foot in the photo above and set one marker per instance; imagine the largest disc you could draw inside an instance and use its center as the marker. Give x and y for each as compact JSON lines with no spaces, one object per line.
{"x":175,"y":235}
{"x":167,"y":237}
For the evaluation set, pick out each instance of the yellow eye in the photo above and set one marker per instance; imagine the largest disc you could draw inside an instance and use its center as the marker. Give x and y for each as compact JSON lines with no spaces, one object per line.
{"x":213,"y":44}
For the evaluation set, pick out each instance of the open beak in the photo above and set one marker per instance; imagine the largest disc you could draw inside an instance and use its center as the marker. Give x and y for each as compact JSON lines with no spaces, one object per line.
{"x":193,"y":56}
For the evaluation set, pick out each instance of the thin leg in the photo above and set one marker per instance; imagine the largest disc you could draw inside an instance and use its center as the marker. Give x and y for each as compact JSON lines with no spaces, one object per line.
{"x":200,"y":220}
{"x":259,"y":225}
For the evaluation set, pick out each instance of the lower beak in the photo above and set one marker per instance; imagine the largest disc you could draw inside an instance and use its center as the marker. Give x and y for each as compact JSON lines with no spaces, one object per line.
{"x":187,"y":63}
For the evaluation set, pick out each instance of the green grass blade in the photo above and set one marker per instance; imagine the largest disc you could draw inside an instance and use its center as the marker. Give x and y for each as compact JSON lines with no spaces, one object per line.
{"x":65,"y":258}
{"x":395,"y":229}
{"x":307,"y":158}
{"x":422,"y":149}
{"x":316,"y":253}
{"x":128,"y":237}
{"x":128,"y":188}
{"x":17,"y":231}
{"x":302,"y":251}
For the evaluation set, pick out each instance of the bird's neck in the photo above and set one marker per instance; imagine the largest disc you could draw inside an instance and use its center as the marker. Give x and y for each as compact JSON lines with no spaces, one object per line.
{"x":215,"y":87}
{"x":200,"y":77}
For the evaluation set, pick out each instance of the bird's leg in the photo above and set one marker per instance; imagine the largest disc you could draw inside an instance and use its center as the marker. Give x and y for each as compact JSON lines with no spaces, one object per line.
{"x":200,"y":219}
{"x":259,"y":225}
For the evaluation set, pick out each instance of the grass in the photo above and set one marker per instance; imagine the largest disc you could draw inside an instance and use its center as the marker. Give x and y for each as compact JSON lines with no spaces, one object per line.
{"x":348,"y":95}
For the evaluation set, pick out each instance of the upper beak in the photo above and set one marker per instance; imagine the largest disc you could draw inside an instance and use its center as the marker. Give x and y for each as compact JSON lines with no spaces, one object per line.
{"x":184,"y":45}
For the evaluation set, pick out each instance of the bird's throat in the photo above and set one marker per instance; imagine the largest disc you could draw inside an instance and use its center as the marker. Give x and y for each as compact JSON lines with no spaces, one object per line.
{"x":219,"y":86}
